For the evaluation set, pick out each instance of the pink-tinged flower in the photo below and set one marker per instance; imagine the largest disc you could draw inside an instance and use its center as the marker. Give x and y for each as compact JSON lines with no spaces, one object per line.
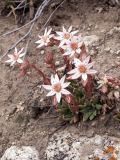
{"x":57,"y":87}
{"x":82,"y":69}
{"x":45,"y":39}
{"x":103,"y":81}
{"x":65,"y":35}
{"x":15,"y":57}
{"x":72,"y":47}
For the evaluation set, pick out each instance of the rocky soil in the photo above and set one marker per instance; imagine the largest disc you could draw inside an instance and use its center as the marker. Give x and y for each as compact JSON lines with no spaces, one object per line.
{"x":52,"y":139}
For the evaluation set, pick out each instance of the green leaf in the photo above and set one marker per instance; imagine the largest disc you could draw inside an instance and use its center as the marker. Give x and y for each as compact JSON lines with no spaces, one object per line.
{"x":93,"y":115}
{"x":86,"y":116}
{"x":98,"y":106}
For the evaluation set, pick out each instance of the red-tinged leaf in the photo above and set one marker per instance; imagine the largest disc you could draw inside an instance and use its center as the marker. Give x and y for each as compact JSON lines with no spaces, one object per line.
{"x":68,"y":99}
{"x":54,"y":41}
{"x":25,"y":65}
{"x":72,"y":103}
{"x":83,"y":53}
{"x":54,"y":101}
{"x":89,"y":87}
{"x":49,"y":58}
{"x":24,"y":68}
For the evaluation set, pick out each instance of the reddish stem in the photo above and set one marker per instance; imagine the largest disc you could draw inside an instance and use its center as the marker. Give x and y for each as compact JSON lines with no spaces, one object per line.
{"x":46,"y":80}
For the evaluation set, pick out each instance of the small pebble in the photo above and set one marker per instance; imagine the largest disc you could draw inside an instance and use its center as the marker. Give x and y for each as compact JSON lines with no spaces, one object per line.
{"x":42,"y":52}
{"x":107,"y":49}
{"x":118,"y":52}
{"x":57,"y":63}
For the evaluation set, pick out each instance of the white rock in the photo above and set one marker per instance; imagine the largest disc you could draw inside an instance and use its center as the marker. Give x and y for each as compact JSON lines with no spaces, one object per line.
{"x":21,"y":153}
{"x":42,"y":52}
{"x":118,"y":52}
{"x":68,"y":146}
{"x":107,"y":49}
{"x":57,"y":63}
{"x":89,"y":40}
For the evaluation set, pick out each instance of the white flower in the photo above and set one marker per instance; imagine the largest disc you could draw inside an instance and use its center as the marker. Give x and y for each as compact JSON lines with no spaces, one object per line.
{"x":103,"y":81}
{"x":82,"y":69}
{"x":57,"y":87}
{"x":45,"y":39}
{"x":72,"y":47}
{"x":15,"y":57}
{"x":65,"y":35}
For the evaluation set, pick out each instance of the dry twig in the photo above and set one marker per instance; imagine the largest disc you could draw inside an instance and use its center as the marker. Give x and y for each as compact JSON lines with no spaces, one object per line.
{"x":37,"y":15}
{"x":32,"y":22}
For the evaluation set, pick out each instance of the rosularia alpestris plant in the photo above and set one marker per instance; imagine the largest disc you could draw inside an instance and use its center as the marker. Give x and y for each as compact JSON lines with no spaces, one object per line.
{"x":75,"y":88}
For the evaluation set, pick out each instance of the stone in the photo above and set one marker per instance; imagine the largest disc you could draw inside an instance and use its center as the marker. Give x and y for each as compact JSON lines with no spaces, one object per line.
{"x":42,"y":52}
{"x":90,"y":40}
{"x":57,"y":63}
{"x":70,"y":146}
{"x":107,"y":49}
{"x":118,"y":52}
{"x":21,"y":153}
{"x":99,"y":9}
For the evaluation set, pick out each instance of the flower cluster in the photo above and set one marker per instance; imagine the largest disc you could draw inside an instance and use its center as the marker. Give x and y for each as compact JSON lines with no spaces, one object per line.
{"x":76,"y":75}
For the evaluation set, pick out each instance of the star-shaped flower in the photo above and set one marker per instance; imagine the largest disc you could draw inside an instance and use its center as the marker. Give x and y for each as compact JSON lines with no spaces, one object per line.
{"x":82,"y":69}
{"x":65,"y":35}
{"x":57,"y":87}
{"x":16,"y":57}
{"x":45,"y":39}
{"x":72,"y":47}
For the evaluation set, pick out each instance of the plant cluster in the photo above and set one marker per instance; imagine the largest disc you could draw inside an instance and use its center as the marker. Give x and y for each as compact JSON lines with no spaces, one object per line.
{"x":76,"y":88}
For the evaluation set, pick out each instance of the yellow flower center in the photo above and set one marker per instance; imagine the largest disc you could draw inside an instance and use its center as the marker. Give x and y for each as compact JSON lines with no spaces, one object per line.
{"x":57,"y":87}
{"x":82,"y":69}
{"x":66,"y":35}
{"x":74,"y":45}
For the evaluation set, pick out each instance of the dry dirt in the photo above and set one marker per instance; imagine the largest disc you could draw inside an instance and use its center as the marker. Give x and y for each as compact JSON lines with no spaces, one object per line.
{"x":17,"y":126}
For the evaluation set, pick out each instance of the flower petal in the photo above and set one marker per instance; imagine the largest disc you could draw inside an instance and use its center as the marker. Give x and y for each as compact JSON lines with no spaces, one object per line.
{"x":78,"y":50}
{"x":74,"y":32}
{"x":75,"y":76}
{"x":45,"y":31}
{"x":48,"y":87}
{"x":52,"y":80}
{"x":62,"y":79}
{"x":21,"y":55}
{"x":20,"y":51}
{"x":10,"y":56}
{"x":84,"y":76}
{"x":58,"y":96}
{"x":64,"y":91}
{"x":13,"y":62}
{"x":70,"y":29}
{"x":91,"y":71}
{"x":48,"y":33}
{"x":56,"y":78}
{"x":9,"y":61}
{"x":20,"y":60}
{"x":72,"y":71}
{"x":51,"y":93}
{"x":77,"y":62}
{"x":65,"y":84}
{"x":16,"y":50}
{"x":41,"y":45}
{"x":62,"y":43}
{"x":86,"y":61}
{"x":64,"y":30}
{"x":60,"y":33}
{"x":90,"y":65}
